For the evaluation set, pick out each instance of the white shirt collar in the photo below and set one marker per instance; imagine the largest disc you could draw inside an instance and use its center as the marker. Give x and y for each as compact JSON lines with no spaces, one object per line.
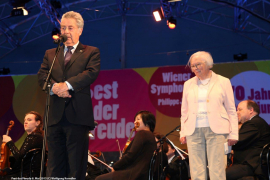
{"x":74,"y":47}
{"x":170,"y":160}
{"x":252,"y":117}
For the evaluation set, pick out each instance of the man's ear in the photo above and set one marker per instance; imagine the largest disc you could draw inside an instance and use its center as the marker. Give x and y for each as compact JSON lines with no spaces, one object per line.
{"x":251,"y":110}
{"x":80,"y":31}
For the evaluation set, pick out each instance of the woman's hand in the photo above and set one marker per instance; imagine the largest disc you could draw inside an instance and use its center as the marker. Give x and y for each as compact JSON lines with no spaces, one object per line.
{"x":183,"y":140}
{"x":231,"y":142}
{"x":6,"y":139}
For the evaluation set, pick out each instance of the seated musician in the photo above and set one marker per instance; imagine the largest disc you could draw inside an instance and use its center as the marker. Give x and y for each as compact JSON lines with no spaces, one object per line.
{"x":159,"y":166}
{"x":176,"y":168}
{"x":135,"y":162}
{"x":253,"y":135}
{"x":33,"y":127}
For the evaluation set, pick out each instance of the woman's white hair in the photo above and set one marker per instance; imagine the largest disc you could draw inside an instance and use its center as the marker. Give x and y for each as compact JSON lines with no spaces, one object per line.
{"x":206,"y":56}
{"x":76,"y":16}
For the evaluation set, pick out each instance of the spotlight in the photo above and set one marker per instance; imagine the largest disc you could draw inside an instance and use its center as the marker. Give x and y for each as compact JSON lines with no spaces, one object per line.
{"x":19,"y":11}
{"x":171,"y":22}
{"x":240,"y":57}
{"x":18,"y":7}
{"x":91,"y":134}
{"x":158,"y":14}
{"x":18,"y":3}
{"x":4,"y":71}
{"x":55,"y":33}
{"x":56,"y":4}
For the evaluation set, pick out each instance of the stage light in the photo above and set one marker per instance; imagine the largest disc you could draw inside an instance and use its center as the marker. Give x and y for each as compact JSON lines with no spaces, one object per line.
{"x":91,"y":135}
{"x":240,"y":57}
{"x":55,"y":33}
{"x":19,"y":11}
{"x":158,"y":14}
{"x":18,"y":7}
{"x":171,"y":22}
{"x":18,"y":3}
{"x":4,"y":71}
{"x":56,"y":4}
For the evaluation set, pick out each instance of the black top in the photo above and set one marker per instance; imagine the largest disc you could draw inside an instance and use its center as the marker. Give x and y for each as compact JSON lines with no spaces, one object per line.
{"x":32,"y":141}
{"x":177,"y":169}
{"x":136,"y":160}
{"x":253,"y":135}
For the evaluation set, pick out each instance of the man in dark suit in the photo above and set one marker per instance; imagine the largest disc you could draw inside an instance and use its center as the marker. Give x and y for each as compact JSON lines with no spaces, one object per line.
{"x":176,"y":168}
{"x":71,"y":114}
{"x":253,"y":135}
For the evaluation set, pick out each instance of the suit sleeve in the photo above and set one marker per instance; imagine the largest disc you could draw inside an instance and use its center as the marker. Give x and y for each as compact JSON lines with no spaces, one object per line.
{"x":231,"y":110}
{"x":89,"y":75}
{"x":184,"y":110}
{"x":132,"y":153}
{"x":248,"y":134}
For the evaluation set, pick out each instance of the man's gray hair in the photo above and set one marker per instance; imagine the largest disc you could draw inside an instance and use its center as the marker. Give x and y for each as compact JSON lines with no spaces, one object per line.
{"x":206,"y":56}
{"x":76,"y":16}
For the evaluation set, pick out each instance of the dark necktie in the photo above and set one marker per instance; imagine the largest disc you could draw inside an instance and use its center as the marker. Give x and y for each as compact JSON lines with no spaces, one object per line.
{"x":68,"y":54}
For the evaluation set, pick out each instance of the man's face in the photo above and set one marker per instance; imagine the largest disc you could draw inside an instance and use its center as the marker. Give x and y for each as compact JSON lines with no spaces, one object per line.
{"x":243,"y":112}
{"x":170,"y":152}
{"x":70,"y":29}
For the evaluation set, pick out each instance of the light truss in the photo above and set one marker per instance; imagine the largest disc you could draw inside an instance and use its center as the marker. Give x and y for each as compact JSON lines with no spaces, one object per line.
{"x":219,"y":15}
{"x":49,"y":11}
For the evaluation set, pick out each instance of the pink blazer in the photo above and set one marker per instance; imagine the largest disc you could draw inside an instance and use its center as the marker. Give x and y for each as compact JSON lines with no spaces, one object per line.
{"x":221,"y":109}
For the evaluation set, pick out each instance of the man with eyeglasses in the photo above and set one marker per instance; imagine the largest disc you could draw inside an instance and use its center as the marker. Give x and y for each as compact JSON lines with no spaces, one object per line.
{"x":71,"y":114}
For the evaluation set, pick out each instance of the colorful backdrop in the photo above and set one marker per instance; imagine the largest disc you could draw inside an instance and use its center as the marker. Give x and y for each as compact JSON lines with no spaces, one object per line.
{"x":118,"y":94}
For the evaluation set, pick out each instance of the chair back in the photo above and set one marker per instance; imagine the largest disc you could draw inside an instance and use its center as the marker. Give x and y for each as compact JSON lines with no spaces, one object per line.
{"x":31,"y":163}
{"x":152,"y":166}
{"x":265,"y":160}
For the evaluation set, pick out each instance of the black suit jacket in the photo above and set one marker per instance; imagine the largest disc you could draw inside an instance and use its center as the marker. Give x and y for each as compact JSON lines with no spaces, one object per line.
{"x":136,"y":161}
{"x":253,"y":135}
{"x":177,"y":169}
{"x":80,"y":72}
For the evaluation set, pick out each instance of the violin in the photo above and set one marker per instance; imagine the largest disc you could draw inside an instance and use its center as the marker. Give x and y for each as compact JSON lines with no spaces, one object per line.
{"x":137,"y":124}
{"x":94,"y":157}
{"x":5,"y":153}
{"x":97,"y":154}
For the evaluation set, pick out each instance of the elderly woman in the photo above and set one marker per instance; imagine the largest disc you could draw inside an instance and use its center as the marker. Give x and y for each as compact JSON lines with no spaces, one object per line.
{"x":136,"y":160}
{"x":33,"y":127}
{"x":208,"y":118}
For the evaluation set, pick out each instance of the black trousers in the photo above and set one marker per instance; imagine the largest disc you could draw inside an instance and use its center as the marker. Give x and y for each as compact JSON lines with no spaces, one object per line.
{"x":238,"y":171}
{"x":67,"y":150}
{"x":107,"y":176}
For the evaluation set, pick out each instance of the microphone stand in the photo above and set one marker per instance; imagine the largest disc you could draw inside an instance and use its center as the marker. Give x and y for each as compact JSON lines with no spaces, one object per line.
{"x":47,"y":89}
{"x":161,"y":141}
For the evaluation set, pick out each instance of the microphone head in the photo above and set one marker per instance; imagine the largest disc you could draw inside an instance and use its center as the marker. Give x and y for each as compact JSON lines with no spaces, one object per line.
{"x":63,"y":38}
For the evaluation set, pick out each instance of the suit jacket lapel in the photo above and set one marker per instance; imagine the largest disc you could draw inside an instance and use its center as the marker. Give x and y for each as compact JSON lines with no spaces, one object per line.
{"x":61,"y":58}
{"x":78,"y":51}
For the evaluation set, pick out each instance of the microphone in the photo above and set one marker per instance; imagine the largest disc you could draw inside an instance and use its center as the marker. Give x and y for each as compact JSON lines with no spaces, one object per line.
{"x":61,"y":39}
